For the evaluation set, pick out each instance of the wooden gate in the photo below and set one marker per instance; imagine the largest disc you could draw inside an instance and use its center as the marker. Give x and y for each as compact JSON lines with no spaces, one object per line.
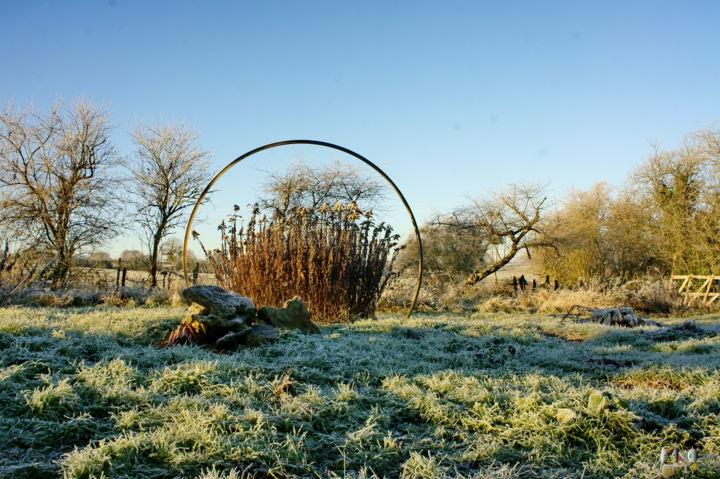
{"x":693,"y":287}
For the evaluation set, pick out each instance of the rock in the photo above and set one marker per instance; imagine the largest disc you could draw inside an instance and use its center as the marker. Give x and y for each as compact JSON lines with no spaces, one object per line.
{"x":210,"y":328}
{"x":234,"y":340}
{"x":218,"y":302}
{"x":224,"y":320}
{"x":211,"y":322}
{"x":602,"y":316}
{"x":616,"y":317}
{"x":256,"y":335}
{"x":293,"y":315}
{"x":261,"y":334}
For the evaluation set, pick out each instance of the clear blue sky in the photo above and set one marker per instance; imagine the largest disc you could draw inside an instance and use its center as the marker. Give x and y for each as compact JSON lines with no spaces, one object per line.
{"x":452,"y":99}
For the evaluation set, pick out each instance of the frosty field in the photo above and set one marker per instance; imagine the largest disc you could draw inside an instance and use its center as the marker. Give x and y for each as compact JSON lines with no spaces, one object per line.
{"x":84,"y":393}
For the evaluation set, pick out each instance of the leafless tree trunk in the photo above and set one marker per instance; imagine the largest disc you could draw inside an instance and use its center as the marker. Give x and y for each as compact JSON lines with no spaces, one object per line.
{"x":168,"y":175}
{"x":56,"y":181}
{"x":508,"y":223}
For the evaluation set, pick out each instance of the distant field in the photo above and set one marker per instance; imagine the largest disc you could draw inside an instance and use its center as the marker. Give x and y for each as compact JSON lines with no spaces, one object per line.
{"x":108,"y":276}
{"x":520,"y":266}
{"x":84,"y":393}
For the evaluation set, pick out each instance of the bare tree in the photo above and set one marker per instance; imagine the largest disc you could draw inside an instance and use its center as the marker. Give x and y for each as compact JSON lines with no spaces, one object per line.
{"x":168,"y":175}
{"x":56,"y":182}
{"x":310,"y":187}
{"x":507,"y":223}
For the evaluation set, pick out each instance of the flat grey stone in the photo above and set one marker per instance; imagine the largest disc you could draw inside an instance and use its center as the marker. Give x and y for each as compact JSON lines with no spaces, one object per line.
{"x":217,"y":301}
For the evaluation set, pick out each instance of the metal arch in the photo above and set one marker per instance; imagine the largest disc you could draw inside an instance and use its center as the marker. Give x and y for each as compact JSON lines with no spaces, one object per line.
{"x":317,"y":143}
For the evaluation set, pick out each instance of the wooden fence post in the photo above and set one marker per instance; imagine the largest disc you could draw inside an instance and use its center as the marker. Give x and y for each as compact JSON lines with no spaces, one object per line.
{"x":117,"y":277}
{"x":196,"y":273}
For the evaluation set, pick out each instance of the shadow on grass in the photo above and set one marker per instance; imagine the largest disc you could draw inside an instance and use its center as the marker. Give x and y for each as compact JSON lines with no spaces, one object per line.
{"x":461,"y":392}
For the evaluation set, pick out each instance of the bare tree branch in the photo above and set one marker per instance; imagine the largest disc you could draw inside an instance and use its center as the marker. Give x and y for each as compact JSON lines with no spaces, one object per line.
{"x":309,"y":187}
{"x":506,"y":223}
{"x":168,"y":175}
{"x":56,"y":182}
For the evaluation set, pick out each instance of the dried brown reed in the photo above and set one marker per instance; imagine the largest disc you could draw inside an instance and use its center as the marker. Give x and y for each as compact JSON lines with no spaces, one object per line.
{"x":336,"y":258}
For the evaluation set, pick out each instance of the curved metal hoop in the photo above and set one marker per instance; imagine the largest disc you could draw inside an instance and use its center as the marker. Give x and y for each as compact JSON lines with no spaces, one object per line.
{"x":327,"y":145}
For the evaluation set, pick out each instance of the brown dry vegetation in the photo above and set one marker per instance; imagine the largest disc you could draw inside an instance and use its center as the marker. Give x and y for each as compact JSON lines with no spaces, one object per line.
{"x":335,"y":258}
{"x":648,"y":296}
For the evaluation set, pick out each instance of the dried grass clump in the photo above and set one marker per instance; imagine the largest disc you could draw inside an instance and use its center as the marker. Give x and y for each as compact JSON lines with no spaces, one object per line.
{"x":41,"y":296}
{"x":337,"y":259}
{"x":655,"y":297}
{"x":497,"y":304}
{"x":445,"y":293}
{"x":649,"y":297}
{"x":18,"y":269}
{"x":560,"y":301}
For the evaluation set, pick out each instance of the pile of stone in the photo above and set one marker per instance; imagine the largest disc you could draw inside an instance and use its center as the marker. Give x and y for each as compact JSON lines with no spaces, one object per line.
{"x":225,"y":320}
{"x":610,"y":316}
{"x":620,"y":317}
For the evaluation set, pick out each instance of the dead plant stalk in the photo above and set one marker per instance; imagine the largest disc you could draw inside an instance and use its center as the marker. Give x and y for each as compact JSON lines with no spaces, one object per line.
{"x":337,"y":259}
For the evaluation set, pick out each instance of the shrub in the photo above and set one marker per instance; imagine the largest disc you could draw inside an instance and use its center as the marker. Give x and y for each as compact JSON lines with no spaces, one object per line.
{"x":17,"y":269}
{"x":337,"y":259}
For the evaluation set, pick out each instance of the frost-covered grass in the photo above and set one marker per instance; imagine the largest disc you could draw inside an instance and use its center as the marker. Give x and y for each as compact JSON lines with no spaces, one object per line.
{"x":84,"y":393}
